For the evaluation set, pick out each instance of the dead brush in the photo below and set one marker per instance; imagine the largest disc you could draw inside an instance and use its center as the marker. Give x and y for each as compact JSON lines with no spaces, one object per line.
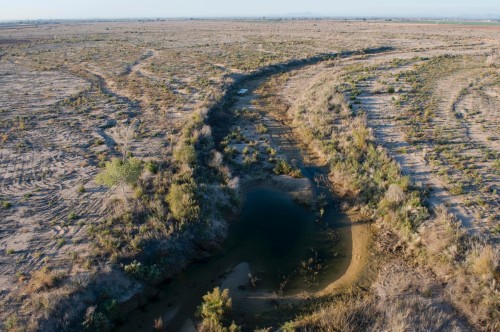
{"x":350,"y":314}
{"x":483,"y":260}
{"x":408,"y":299}
{"x":469,"y":267}
{"x":44,"y":279}
{"x":443,"y":237}
{"x":493,"y":59}
{"x":4,"y":138}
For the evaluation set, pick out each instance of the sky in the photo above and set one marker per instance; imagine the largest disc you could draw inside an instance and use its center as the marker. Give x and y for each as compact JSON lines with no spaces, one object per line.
{"x":82,"y":9}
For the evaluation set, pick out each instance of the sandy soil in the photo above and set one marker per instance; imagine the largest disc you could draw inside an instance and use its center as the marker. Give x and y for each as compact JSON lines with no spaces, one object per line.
{"x":382,"y":116}
{"x":63,"y":89}
{"x":42,"y":164}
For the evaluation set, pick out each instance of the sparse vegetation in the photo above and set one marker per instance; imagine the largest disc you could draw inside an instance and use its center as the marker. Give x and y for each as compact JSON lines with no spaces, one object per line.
{"x":44,"y":279}
{"x":80,"y":189}
{"x":398,"y":133}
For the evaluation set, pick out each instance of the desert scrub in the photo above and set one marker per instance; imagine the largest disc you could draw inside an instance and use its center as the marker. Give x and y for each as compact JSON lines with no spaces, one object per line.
{"x":261,"y":129}
{"x":148,"y":273}
{"x":185,"y":153}
{"x":44,"y":279}
{"x":80,"y":189}
{"x":214,"y":312}
{"x":120,"y":172}
{"x":182,"y":201}
{"x":101,"y":317}
{"x":366,"y":174}
{"x":282,"y":167}
{"x":359,"y":168}
{"x":467,"y":263}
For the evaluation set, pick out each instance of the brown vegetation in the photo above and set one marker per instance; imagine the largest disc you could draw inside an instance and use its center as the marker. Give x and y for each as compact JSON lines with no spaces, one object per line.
{"x":73,"y":97}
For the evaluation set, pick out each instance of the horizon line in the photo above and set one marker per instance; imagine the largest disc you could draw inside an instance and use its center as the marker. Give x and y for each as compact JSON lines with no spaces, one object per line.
{"x":490,"y":17}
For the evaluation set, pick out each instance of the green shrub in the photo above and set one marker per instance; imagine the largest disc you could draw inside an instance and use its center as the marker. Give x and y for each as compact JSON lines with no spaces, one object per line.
{"x":60,"y":243}
{"x":458,"y":189}
{"x":100,"y":318}
{"x":182,"y":202}
{"x":11,"y":323}
{"x":214,"y":310}
{"x":80,"y":189}
{"x":282,"y":167}
{"x":119,"y":172}
{"x":272,"y":152}
{"x":142,"y":272}
{"x":496,"y":164}
{"x":296,"y":173}
{"x":152,"y":167}
{"x":261,"y":129}
{"x":185,"y":153}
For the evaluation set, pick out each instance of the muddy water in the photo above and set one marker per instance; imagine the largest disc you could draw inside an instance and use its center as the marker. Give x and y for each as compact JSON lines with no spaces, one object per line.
{"x":274,"y":235}
{"x":276,"y":249}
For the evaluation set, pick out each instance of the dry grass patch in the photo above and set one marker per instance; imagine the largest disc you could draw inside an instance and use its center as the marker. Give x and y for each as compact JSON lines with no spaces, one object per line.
{"x":44,"y":279}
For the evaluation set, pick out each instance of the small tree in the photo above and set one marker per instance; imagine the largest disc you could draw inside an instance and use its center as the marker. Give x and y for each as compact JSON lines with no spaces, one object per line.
{"x":120,"y":173}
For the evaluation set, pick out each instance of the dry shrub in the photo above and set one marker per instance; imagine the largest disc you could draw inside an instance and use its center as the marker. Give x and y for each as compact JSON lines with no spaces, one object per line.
{"x":342,"y":182}
{"x":442,"y":236}
{"x":492,"y":60}
{"x":205,"y":131}
{"x":409,"y":300}
{"x":158,"y":324}
{"x":44,"y":279}
{"x":474,"y":299}
{"x":217,"y":159}
{"x":45,"y":303}
{"x":415,"y":313}
{"x":394,"y":194}
{"x":349,"y":315}
{"x":379,"y":87}
{"x":467,"y":265}
{"x":483,"y":261}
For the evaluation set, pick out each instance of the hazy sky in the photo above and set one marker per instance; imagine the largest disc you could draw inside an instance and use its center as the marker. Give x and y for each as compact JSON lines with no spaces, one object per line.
{"x":47,"y":9}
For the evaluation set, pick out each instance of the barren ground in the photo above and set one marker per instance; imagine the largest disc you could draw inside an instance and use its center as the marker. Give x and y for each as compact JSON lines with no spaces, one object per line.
{"x":66,"y":91}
